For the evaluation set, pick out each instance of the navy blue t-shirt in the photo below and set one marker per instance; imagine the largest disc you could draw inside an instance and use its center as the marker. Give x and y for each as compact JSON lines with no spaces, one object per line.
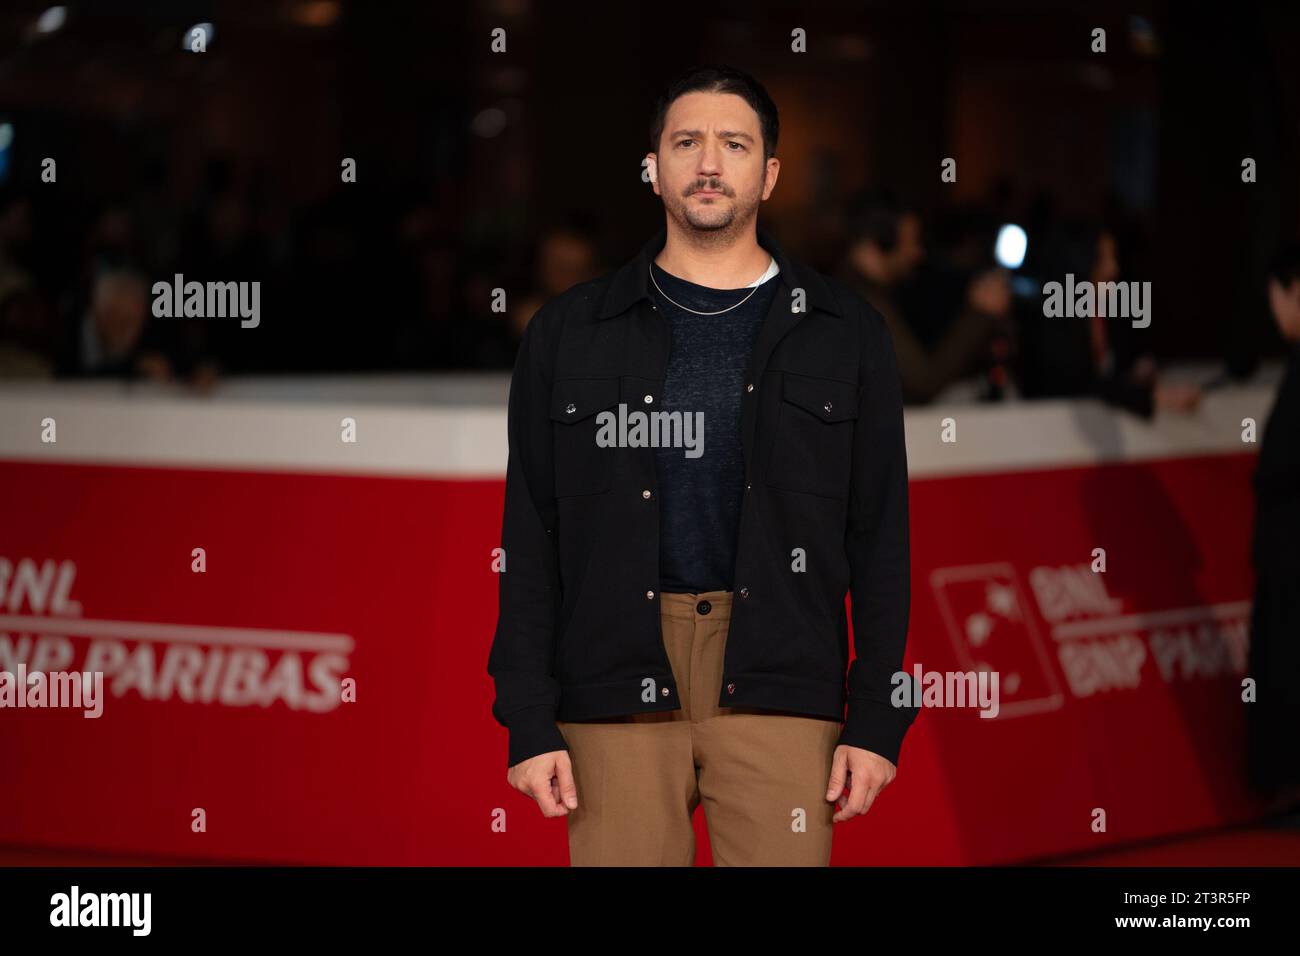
{"x":699,"y":498}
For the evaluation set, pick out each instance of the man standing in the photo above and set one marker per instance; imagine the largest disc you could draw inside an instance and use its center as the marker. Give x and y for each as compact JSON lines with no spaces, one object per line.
{"x":706,"y":453}
{"x":1273,"y":752}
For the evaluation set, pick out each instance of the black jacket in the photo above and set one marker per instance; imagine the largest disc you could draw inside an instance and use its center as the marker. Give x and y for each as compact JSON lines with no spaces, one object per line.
{"x":578,"y":633}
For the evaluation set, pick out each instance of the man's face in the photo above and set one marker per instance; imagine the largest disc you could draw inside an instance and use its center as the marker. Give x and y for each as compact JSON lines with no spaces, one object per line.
{"x":710,"y":169}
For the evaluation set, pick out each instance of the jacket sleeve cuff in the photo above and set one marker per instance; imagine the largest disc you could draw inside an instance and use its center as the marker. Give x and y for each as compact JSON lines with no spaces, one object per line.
{"x":533,"y":731}
{"x":877,"y":726}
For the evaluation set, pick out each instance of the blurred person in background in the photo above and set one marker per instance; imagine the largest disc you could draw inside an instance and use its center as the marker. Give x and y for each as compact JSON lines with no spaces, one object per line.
{"x":566,"y":255}
{"x":106,"y":327}
{"x":1273,"y":719}
{"x":15,"y":238}
{"x":429,"y":288}
{"x":215,"y":242}
{"x":884,"y":258}
{"x":109,"y":339}
{"x":26,"y":335}
{"x":1102,"y":356}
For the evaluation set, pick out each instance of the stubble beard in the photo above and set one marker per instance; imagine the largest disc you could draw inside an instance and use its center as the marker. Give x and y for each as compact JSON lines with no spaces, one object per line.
{"x":716,"y":224}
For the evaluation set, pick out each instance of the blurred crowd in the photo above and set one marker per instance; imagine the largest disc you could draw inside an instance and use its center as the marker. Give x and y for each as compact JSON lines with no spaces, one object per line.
{"x":356,"y":282}
{"x":958,"y":310}
{"x":382,"y":285}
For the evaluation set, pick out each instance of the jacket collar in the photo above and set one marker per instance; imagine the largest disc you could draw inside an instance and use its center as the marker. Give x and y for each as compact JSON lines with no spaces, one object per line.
{"x":630,"y":284}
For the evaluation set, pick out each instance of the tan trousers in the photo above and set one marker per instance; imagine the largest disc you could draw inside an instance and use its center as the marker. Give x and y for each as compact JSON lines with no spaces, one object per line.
{"x":761,"y":775}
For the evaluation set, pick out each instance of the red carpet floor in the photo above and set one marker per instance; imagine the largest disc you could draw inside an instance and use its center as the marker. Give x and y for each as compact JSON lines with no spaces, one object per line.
{"x":1276,"y":843}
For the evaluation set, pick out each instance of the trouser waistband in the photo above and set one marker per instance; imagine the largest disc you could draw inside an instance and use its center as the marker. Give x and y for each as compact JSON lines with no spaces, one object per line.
{"x":700,"y":605}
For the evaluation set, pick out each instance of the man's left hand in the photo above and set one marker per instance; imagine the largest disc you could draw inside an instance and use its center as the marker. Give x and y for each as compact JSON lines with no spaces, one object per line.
{"x":864,"y":773}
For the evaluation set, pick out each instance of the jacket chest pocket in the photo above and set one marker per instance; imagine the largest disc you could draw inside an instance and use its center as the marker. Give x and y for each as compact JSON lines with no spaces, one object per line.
{"x":582,"y":466}
{"x":812,"y":444}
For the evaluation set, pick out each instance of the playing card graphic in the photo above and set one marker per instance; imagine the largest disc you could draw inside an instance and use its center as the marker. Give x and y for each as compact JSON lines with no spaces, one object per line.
{"x":992,"y":629}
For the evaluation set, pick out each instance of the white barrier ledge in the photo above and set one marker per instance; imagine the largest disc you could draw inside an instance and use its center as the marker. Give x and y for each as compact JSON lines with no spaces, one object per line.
{"x":454,"y":426}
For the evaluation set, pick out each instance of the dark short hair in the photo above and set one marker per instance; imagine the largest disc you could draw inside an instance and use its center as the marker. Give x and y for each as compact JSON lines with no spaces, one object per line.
{"x":720,"y":79}
{"x":1285,"y":263}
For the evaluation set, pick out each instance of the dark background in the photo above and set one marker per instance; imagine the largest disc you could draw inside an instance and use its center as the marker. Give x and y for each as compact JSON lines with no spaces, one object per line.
{"x":226,"y":164}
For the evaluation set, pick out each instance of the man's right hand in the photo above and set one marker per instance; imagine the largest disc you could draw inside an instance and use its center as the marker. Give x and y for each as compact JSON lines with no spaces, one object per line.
{"x":548,"y":779}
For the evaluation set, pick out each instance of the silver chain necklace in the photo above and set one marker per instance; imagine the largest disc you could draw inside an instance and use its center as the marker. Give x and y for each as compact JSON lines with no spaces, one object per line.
{"x":684,"y":309}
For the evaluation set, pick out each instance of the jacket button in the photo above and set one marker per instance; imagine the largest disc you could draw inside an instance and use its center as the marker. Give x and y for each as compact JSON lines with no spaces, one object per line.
{"x":704,"y":607}
{"x":645,"y":493}
{"x":744,"y":592}
{"x":570,"y":408}
{"x":731,"y":688}
{"x":649,"y":595}
{"x":827,"y":406}
{"x":749,"y":387}
{"x":649,"y":399}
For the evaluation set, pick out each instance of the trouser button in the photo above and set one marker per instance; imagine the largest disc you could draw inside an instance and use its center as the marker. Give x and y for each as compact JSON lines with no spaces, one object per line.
{"x":704,"y":607}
